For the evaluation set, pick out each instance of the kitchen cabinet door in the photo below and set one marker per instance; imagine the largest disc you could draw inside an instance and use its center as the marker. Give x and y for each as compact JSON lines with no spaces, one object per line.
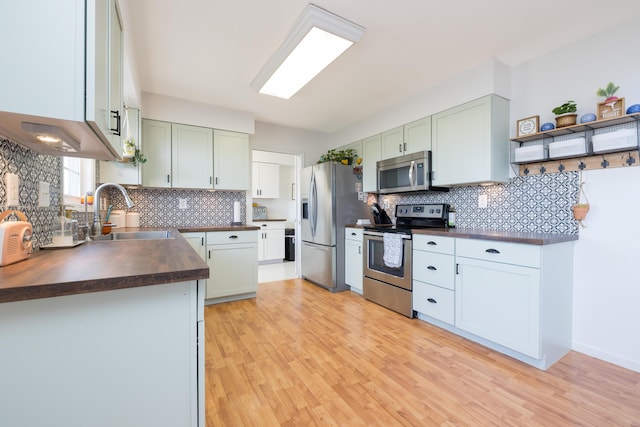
{"x":265,"y":180}
{"x":116,"y":111}
{"x":231,"y":159}
{"x":371,"y":153}
{"x":124,"y":172}
{"x":233,"y":270}
{"x":156,"y":146}
{"x":470,"y":143}
{"x":353,"y":268}
{"x":499,"y":302}
{"x":191,"y":156}
{"x":270,"y":240}
{"x":393,"y":143}
{"x":417,"y":136}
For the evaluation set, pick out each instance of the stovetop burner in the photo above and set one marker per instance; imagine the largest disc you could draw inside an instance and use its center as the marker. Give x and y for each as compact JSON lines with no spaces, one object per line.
{"x":410,"y":217}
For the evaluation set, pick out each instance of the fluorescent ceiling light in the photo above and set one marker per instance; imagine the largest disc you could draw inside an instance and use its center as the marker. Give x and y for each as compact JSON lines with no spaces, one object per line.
{"x":316,"y":40}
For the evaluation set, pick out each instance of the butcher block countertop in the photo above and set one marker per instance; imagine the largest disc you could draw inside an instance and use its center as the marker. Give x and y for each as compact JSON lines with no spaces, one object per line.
{"x":503,"y":236}
{"x":102,"y":266}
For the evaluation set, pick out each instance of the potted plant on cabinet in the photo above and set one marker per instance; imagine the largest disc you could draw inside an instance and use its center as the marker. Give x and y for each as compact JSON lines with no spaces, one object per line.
{"x":565,"y":114}
{"x":342,"y":156}
{"x":608,"y":92}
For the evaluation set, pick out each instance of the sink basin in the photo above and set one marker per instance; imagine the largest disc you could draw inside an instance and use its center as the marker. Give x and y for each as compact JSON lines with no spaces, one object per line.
{"x":136,"y":235}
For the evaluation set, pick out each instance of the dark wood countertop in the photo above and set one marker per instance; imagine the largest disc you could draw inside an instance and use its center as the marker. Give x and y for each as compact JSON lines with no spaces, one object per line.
{"x":101,"y":266}
{"x":504,"y":236}
{"x":218,"y":228}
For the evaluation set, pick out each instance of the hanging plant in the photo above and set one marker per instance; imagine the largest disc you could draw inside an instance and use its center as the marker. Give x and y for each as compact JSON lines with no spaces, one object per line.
{"x":581,"y":208}
{"x":129,"y":148}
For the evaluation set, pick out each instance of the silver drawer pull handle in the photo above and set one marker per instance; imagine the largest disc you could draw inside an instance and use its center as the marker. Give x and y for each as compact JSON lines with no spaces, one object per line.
{"x":432,"y":301}
{"x":431,"y":242}
{"x":492,"y":251}
{"x":432,"y":268}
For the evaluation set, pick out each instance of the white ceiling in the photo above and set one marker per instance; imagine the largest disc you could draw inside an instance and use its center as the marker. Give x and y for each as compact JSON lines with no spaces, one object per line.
{"x":209,"y":51}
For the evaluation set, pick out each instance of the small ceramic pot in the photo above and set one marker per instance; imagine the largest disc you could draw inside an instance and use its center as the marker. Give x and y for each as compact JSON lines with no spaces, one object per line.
{"x":547,"y":126}
{"x":580,"y":211}
{"x":589,"y":117}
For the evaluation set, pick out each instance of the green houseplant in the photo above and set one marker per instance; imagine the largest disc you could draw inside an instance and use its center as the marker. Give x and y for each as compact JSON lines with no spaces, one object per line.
{"x":343,"y":156}
{"x":565,"y":114}
{"x":608,"y":92}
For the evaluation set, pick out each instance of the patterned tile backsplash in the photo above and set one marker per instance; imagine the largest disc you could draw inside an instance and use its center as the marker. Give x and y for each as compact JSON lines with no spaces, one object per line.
{"x":159,"y":207}
{"x":538,"y":203}
{"x":31,"y":168}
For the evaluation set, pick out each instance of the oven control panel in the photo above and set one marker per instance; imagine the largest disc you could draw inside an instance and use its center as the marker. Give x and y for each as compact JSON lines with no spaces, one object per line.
{"x":430,"y":211}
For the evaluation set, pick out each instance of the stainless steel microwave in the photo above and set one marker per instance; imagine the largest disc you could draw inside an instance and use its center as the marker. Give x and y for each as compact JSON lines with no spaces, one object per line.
{"x":411,"y":172}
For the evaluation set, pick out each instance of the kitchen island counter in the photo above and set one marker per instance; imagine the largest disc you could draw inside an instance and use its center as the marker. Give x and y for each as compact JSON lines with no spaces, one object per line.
{"x":101,"y":266}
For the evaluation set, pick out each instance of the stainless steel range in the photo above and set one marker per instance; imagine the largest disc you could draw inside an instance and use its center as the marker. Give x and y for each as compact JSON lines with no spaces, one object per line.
{"x":387,"y":281}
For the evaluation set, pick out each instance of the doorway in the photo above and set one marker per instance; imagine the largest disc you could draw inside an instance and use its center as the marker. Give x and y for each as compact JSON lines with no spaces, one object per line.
{"x":274,"y":197}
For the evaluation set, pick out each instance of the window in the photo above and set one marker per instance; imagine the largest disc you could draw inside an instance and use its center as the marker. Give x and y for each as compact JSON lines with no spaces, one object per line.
{"x":78,"y":177}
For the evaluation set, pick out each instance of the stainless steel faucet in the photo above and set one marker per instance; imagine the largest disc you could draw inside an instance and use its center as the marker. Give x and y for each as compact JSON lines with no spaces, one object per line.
{"x":96,"y":228}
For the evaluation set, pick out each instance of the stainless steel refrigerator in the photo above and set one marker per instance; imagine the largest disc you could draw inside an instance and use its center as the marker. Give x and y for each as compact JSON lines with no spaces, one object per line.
{"x":329,"y":203}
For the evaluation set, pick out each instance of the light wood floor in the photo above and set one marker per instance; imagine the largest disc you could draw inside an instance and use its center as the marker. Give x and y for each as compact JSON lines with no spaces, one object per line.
{"x":298,"y":355}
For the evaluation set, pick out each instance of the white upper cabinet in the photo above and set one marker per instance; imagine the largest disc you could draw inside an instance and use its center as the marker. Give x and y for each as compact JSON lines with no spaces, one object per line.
{"x":470,"y":142}
{"x":69,"y":73}
{"x":156,"y":146}
{"x":191,"y":156}
{"x":124,"y":172}
{"x":393,"y":143}
{"x":265,"y":180}
{"x":371,"y":153}
{"x":417,"y":136}
{"x":231,"y":160}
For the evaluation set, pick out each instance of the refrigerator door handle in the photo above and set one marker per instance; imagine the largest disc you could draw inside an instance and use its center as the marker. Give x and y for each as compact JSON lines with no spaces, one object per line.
{"x":313,"y":205}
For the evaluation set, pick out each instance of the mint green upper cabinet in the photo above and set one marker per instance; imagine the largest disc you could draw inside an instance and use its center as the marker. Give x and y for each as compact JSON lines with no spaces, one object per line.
{"x":156,"y":146}
{"x":371,"y":153}
{"x":392,"y":143}
{"x":470,"y":143}
{"x":231,"y":160}
{"x":191,"y":156}
{"x":417,"y":136}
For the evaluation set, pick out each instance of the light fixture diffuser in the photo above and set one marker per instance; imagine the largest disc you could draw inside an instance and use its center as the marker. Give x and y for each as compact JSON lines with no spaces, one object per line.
{"x":316,"y":40}
{"x":52,"y":136}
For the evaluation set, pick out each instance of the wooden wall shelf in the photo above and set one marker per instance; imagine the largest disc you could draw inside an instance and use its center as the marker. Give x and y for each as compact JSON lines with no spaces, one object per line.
{"x":589,"y":161}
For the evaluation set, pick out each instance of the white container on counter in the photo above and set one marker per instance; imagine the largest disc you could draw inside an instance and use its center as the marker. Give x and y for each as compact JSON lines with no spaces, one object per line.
{"x":133,"y":219}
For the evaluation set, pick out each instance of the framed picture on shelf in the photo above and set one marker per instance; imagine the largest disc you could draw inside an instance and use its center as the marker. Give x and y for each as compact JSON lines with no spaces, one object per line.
{"x":528,"y":126}
{"x":611,"y":109}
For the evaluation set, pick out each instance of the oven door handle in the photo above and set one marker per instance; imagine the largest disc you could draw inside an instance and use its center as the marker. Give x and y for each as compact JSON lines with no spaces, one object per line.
{"x":376,"y":234}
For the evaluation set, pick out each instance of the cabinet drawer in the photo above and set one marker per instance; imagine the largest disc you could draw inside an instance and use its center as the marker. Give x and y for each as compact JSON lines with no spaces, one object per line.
{"x":353,"y":234}
{"x":440,"y":244}
{"x":508,"y":253}
{"x":433,"y":301}
{"x":434,"y":268}
{"x":269,"y":225}
{"x":226,"y":237}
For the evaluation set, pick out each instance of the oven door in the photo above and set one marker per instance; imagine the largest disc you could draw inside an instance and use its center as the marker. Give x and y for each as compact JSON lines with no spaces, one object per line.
{"x":374,"y":266}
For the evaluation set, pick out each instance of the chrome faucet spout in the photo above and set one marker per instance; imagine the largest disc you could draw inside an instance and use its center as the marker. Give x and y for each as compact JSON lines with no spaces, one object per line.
{"x":96,"y":228}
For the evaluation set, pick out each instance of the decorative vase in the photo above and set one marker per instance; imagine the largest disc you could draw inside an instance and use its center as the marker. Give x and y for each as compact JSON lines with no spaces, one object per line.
{"x":580,"y":211}
{"x":566,"y":120}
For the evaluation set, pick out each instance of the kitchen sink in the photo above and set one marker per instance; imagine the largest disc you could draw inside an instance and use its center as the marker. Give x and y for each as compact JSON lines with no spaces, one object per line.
{"x":136,"y":235}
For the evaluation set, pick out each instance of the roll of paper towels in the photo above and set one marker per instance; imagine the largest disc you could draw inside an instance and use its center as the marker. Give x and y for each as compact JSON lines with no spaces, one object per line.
{"x":236,"y":213}
{"x":133,"y":219}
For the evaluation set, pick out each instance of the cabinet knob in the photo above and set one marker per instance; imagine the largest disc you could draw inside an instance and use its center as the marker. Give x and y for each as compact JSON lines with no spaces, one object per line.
{"x":432,"y":301}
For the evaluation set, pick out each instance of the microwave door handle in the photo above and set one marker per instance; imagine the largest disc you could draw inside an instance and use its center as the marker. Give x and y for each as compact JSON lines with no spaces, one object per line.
{"x":412,"y":175}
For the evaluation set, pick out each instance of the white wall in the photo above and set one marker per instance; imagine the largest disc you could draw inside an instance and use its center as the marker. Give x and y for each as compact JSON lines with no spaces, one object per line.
{"x":606,"y":318}
{"x":490,"y":77}
{"x":269,"y":137}
{"x":177,"y":110}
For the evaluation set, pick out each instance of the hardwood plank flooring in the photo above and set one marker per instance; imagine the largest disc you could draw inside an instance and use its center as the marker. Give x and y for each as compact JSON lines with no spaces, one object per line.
{"x":298,"y":355}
